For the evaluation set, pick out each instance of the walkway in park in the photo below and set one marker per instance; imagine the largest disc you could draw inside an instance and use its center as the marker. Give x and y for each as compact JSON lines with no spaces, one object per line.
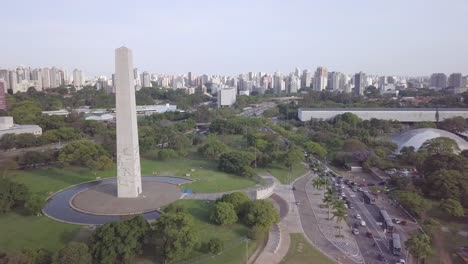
{"x":279,"y":240}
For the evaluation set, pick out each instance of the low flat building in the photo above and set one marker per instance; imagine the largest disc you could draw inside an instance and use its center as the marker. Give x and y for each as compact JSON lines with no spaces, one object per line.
{"x":227,"y":96}
{"x":8,"y":127}
{"x":409,"y":115}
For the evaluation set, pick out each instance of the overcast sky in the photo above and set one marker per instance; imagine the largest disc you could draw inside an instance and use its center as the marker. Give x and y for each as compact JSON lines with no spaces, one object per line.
{"x":392,"y":37}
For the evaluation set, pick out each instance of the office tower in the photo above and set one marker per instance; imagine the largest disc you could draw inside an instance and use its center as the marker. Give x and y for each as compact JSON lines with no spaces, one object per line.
{"x":297,"y":72}
{"x":13,"y":81}
{"x":53,"y":77}
{"x":306,"y":77}
{"x":189,"y":79}
{"x":294,"y":84}
{"x":277,"y":82}
{"x":36,"y":76}
{"x":137,"y":81}
{"x":360,"y":83}
{"x":128,"y":151}
{"x":438,"y":80}
{"x":77,"y":78}
{"x":336,"y":81}
{"x":226,"y":96}
{"x":145,"y":79}
{"x":45,"y":78}
{"x":3,"y":92}
{"x":320,"y":79}
{"x":4,"y":76}
{"x":456,"y":80}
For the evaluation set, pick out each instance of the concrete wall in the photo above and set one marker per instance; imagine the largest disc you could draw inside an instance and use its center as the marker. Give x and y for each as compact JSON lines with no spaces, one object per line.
{"x":6,"y":122}
{"x":265,"y":192}
{"x":403,"y":115}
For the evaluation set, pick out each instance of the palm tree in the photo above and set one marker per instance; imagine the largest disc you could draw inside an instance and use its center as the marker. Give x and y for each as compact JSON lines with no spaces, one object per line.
{"x":317,"y":183}
{"x":328,"y":200}
{"x":326,"y":182}
{"x":339,"y":213}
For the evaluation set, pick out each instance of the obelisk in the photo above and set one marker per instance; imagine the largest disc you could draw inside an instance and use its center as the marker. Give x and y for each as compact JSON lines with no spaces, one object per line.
{"x":128,"y":152}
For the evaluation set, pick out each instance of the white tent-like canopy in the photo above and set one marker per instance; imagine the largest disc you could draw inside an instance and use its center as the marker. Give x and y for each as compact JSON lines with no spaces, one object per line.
{"x":416,"y":137}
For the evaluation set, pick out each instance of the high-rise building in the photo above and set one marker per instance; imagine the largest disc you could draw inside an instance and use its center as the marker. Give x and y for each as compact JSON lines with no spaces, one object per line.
{"x":4,"y":76}
{"x":189,"y":79}
{"x":360,"y":83}
{"x":77,"y":78}
{"x":294,"y":84}
{"x":306,"y":77}
{"x":336,"y":81}
{"x":438,"y":80}
{"x":3,"y":92}
{"x":54,"y":77}
{"x":145,"y":79}
{"x":13,"y":81}
{"x":277,"y":82}
{"x":456,"y":80}
{"x":45,"y":78}
{"x":226,"y":96}
{"x":320,"y":79}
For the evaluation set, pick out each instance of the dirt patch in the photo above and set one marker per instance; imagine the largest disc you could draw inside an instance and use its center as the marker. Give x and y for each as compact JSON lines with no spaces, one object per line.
{"x":439,"y":242}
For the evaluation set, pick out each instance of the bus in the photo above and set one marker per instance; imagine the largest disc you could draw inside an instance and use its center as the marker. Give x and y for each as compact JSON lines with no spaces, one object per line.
{"x":387,"y":221}
{"x":368,"y":198}
{"x":395,"y":245}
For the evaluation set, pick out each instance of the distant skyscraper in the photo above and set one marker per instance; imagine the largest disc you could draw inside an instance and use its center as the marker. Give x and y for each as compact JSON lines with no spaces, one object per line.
{"x":306,"y":77}
{"x":54,"y":78}
{"x":13,"y":81}
{"x":456,"y":80}
{"x":3,"y":91}
{"x":336,"y":81}
{"x":277,"y":82}
{"x":77,"y":78}
{"x":145,"y":79}
{"x":294,"y":84}
{"x":438,"y":80}
{"x":360,"y":83}
{"x":320,"y":79}
{"x":45,"y":78}
{"x":297,"y":72}
{"x":4,"y":76}
{"x":189,"y":79}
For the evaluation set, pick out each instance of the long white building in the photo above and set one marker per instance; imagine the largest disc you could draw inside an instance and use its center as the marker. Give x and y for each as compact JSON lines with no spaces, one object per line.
{"x":409,"y":115}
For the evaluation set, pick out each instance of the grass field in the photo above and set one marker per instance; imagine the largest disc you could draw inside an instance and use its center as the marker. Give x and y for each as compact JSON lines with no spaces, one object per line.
{"x":18,"y":231}
{"x":301,"y":252}
{"x":282,"y":173}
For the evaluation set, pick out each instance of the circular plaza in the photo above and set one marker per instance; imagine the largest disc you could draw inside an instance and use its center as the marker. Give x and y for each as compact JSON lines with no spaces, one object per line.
{"x":96,"y":202}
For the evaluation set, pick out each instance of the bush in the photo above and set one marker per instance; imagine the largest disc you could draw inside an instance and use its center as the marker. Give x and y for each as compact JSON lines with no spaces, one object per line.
{"x":261,"y":213}
{"x":224,"y":214}
{"x":256,"y":233}
{"x":237,"y":199}
{"x":215,"y":246}
{"x":165,"y":154}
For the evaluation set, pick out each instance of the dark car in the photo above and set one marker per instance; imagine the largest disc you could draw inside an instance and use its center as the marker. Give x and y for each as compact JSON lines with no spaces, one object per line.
{"x":293,"y":188}
{"x":371,"y":184}
{"x":369,"y":235}
{"x":380,"y":257}
{"x":356,"y":225}
{"x":381,"y":183}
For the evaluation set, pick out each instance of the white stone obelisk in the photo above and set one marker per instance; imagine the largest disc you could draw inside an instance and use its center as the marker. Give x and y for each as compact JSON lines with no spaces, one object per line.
{"x":128,"y":152}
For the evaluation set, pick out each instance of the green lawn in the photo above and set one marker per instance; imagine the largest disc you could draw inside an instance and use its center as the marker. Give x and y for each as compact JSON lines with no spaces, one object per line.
{"x":300,"y":251}
{"x":204,"y":173}
{"x":18,"y":231}
{"x":233,"y":237}
{"x":282,"y":173}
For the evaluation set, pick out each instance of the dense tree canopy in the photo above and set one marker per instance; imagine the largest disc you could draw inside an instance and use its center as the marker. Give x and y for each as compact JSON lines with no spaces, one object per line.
{"x":223,"y":214}
{"x":82,"y":153}
{"x":73,"y":253}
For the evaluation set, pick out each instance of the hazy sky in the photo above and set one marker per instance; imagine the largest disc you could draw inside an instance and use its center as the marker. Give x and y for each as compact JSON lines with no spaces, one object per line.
{"x":401,"y":37}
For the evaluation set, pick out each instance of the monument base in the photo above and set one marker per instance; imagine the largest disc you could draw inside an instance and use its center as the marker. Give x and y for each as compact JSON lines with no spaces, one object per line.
{"x":103,"y":200}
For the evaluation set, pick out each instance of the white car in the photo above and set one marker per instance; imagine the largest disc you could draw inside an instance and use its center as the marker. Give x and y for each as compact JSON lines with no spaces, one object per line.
{"x":363,"y":223}
{"x":401,"y":261}
{"x":358,"y":216}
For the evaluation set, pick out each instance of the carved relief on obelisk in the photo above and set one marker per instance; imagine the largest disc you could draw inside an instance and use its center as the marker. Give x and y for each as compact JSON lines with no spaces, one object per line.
{"x":128,"y":154}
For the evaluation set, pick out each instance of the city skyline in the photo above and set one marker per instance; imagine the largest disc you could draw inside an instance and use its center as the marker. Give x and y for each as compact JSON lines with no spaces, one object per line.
{"x":265,"y":36}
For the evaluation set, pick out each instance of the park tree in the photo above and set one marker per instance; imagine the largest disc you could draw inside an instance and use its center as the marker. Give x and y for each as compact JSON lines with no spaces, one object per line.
{"x":413,"y":202}
{"x":223,"y":214}
{"x":81,"y":153}
{"x":118,"y":241}
{"x":419,"y":245}
{"x":452,"y":207}
{"x":293,"y":157}
{"x":73,"y":253}
{"x":455,"y":125}
{"x":12,"y":195}
{"x":261,"y":213}
{"x":235,"y":161}
{"x":439,"y":145}
{"x":315,"y":149}
{"x":215,"y":245}
{"x":237,"y":199}
{"x":445,"y":184}
{"x":102,"y":163}
{"x":430,"y":226}
{"x":175,"y":235}
{"x":339,"y":213}
{"x":26,"y":112}
{"x":34,"y":204}
{"x":213,"y":149}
